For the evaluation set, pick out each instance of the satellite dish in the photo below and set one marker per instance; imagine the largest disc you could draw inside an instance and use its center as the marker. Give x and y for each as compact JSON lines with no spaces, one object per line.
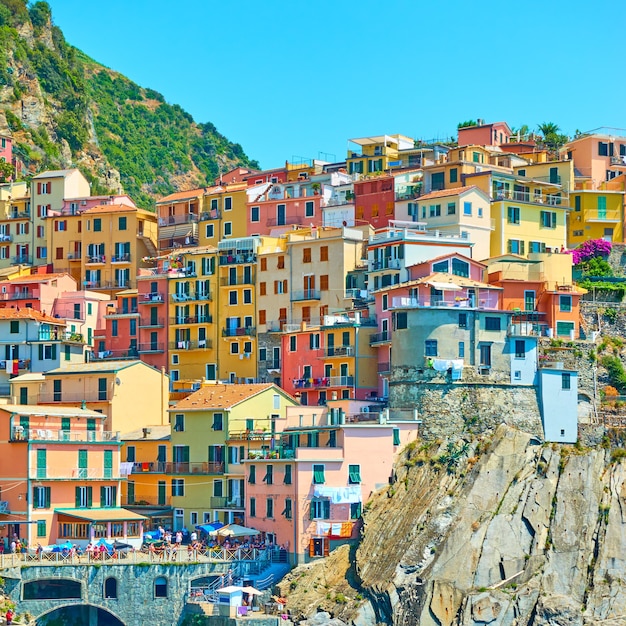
{"x":118,"y":381}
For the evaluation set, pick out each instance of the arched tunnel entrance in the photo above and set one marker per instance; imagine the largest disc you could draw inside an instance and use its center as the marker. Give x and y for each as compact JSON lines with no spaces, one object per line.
{"x":79,"y":615}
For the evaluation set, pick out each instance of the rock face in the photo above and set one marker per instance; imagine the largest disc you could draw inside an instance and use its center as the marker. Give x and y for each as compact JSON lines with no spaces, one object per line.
{"x":514,"y":533}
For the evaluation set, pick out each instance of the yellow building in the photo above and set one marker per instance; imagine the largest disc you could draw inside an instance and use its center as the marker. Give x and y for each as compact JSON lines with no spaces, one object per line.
{"x":109,"y":387}
{"x":207,"y":481}
{"x":224,"y":214}
{"x":193,"y":327}
{"x":597,"y":214}
{"x":115,"y":240}
{"x":236,"y":309}
{"x":145,"y":456}
{"x":370,"y":155}
{"x":48,"y":192}
{"x":16,"y":233}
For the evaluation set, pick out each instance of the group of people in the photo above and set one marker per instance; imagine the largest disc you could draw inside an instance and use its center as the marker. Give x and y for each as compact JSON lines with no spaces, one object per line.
{"x":13,"y":544}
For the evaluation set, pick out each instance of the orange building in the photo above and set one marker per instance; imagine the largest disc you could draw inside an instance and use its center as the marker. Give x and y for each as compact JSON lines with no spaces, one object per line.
{"x":60,"y":477}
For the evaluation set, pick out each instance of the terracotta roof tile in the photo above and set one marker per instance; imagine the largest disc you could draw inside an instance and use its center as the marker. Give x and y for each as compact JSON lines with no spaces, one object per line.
{"x":222,"y":396}
{"x":182,"y":195}
{"x":35,"y":278}
{"x":442,"y":193}
{"x":115,"y":208}
{"x":31,"y":314}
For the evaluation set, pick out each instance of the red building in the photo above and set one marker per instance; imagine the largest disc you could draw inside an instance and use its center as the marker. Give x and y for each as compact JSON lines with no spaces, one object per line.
{"x":153,"y":319}
{"x":120,"y":337}
{"x":374,"y":199}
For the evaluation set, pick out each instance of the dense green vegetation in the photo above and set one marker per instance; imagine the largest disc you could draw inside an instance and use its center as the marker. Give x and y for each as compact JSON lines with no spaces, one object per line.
{"x":148,"y":140}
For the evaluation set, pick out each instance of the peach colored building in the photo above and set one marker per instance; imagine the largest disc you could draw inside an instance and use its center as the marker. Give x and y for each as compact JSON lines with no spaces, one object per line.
{"x":305,"y":491}
{"x":60,"y":477}
{"x":38,"y":291}
{"x":483,"y":134}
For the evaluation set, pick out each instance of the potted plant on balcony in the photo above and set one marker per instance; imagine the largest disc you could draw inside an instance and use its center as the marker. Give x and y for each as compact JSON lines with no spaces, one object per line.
{"x":316,"y":188}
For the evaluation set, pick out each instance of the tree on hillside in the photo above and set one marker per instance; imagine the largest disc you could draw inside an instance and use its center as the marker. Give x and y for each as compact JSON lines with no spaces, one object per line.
{"x":6,"y":171}
{"x":523,"y":132}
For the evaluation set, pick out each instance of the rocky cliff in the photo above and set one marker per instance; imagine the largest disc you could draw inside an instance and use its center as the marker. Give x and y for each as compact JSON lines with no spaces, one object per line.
{"x":500,"y":530}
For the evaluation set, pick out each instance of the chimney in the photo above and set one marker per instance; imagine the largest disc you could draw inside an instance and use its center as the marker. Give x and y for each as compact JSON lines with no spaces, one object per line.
{"x":146,"y":432}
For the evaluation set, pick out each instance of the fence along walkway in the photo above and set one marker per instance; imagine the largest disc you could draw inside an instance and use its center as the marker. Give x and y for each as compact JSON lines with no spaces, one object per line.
{"x":133,"y":557}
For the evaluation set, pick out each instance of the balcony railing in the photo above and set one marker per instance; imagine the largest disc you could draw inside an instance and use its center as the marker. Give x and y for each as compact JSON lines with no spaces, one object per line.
{"x":65,"y":396}
{"x":154,"y":467}
{"x":91,"y":259}
{"x":270,"y":364}
{"x":27,"y":294}
{"x":121,"y":258}
{"x":113,"y":355}
{"x":336,"y":351}
{"x":22,"y":364}
{"x":23,"y":259}
{"x":194,"y":468}
{"x":384,"y":368}
{"x":240,"y":331}
{"x":385,"y":264}
{"x":151,"y":298}
{"x":159,"y":322}
{"x":532,"y":198}
{"x":236,"y":259}
{"x":151,"y":346}
{"x":359,"y":294}
{"x":227,"y":281}
{"x":192,"y":296}
{"x":191,"y":319}
{"x":327,"y":381}
{"x":415,"y":303}
{"x":19,"y":433}
{"x":172,"y":220}
{"x":222,"y":502}
{"x":202,"y":344}
{"x":379,"y":338}
{"x":526,"y":329}
{"x":147,"y":500}
{"x":115,"y":284}
{"x":306,"y":294}
{"x":213,"y":214}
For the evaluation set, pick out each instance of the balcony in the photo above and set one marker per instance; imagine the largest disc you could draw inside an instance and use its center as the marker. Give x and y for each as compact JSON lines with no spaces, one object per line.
{"x":22,"y":259}
{"x":152,"y":298}
{"x":490,"y":302}
{"x":148,"y":500}
{"x":115,"y":284}
{"x":47,"y":397}
{"x":22,"y":364}
{"x":64,"y":436}
{"x":227,"y":281}
{"x":27,"y":294}
{"x":150,"y":347}
{"x":4,"y":238}
{"x":72,"y":473}
{"x":121,"y":258}
{"x":219,"y":502}
{"x":532,"y":198}
{"x":237,"y":259}
{"x":191,"y":319}
{"x":240,"y":331}
{"x":113,"y":355}
{"x":213,"y":214}
{"x":526,"y":329}
{"x":306,"y":294}
{"x":358,"y":294}
{"x":385,"y":264}
{"x":324,"y":382}
{"x":384,"y":368}
{"x":335,"y":351}
{"x":75,"y":256}
{"x":270,"y":364}
{"x":600,"y":215}
{"x":380,"y":338}
{"x":95,"y":259}
{"x":192,"y":296}
{"x":194,"y":468}
{"x":173,"y":220}
{"x":202,"y":344}
{"x":150,"y":467}
{"x":159,"y":322}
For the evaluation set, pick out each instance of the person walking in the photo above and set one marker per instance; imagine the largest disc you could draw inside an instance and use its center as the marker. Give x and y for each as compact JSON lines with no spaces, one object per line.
{"x":9,"y":616}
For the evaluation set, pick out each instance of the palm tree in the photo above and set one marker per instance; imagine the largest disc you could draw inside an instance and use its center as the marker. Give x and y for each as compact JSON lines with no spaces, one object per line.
{"x":548,"y":128}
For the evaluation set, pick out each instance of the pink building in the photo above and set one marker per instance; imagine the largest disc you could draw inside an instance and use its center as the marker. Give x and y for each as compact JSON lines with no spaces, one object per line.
{"x":483,"y":134}
{"x":6,"y":148}
{"x":37,"y":291}
{"x":306,"y":493}
{"x":73,"y":206}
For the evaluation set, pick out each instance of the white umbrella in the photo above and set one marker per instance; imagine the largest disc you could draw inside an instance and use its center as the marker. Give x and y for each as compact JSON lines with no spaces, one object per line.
{"x":234,"y":530}
{"x":251,"y":591}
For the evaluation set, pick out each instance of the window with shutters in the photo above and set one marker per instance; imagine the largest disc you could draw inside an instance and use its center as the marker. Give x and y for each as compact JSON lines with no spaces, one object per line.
{"x":262,"y":316}
{"x":262,"y":289}
{"x":178,"y":486}
{"x":280,"y":263}
{"x":293,"y":343}
{"x":355,"y":510}
{"x":41,"y":528}
{"x":492,"y":323}
{"x":396,"y":436}
{"x":354,"y":474}
{"x":287,"y":511}
{"x":318,"y":475}
{"x":254,"y":214}
{"x":269,"y":507}
{"x":56,"y":390}
{"x":102,"y":388}
{"x":288,"y":478}
{"x":320,"y":508}
{"x":309,"y":208}
{"x":15,"y":327}
{"x":41,"y":497}
{"x":252,"y":507}
{"x":324,"y":282}
{"x":314,"y":341}
{"x":252,"y":475}
{"x":84,"y":497}
{"x":108,"y":496}
{"x":324,"y":253}
{"x":306,"y":255}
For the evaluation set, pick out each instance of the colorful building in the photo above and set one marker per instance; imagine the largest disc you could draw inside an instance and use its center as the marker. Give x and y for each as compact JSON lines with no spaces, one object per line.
{"x":152,"y":301}
{"x":493,"y":134}
{"x":61,"y":479}
{"x":373,"y":155}
{"x":15,"y":222}
{"x":207,"y":479}
{"x":306,"y":491}
{"x":178,"y":215}
{"x":597,"y":214}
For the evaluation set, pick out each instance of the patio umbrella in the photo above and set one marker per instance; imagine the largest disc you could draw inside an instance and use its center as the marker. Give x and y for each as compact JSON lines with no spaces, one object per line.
{"x":251,"y":591}
{"x":209,"y":528}
{"x":234,"y":530}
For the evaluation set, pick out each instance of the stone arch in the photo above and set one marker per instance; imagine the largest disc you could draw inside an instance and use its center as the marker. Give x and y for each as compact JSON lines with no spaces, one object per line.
{"x":161,"y":587}
{"x":57,"y":611}
{"x":64,"y":588}
{"x":110,"y":588}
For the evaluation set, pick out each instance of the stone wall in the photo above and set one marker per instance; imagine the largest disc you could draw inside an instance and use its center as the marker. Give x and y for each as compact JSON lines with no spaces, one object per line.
{"x":447,"y":409}
{"x":135,"y":603}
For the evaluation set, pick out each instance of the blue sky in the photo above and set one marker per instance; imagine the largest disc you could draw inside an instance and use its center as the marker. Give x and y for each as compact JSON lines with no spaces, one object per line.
{"x":287,"y":79}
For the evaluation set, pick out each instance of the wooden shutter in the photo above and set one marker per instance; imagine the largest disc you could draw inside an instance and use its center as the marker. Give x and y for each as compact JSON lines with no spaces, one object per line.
{"x":262,"y":289}
{"x":262,"y":316}
{"x":326,"y":544}
{"x":89,"y":497}
{"x":311,"y":548}
{"x":47,"y":497}
{"x":77,"y":497}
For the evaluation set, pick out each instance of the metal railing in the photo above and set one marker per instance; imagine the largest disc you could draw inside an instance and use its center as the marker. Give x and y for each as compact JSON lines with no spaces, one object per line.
{"x":20,"y":295}
{"x":326,"y":381}
{"x":192,"y":296}
{"x":110,"y":355}
{"x":222,"y":502}
{"x":151,"y":347}
{"x":202,"y":344}
{"x":337,"y":351}
{"x":152,"y":323}
{"x":306,"y":294}
{"x":377,"y":338}
{"x":191,"y":319}
{"x":240,"y":331}
{"x":173,"y":220}
{"x":385,"y":264}
{"x":184,"y":467}
{"x":226,"y":281}
{"x":22,"y":364}
{"x":532,"y":198}
{"x":73,"y":473}
{"x":45,"y":434}
{"x":121,"y":258}
{"x":154,"y":467}
{"x":150,"y":298}
{"x":237,"y":259}
{"x":95,"y":258}
{"x":22,"y":259}
{"x":213,"y":214}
